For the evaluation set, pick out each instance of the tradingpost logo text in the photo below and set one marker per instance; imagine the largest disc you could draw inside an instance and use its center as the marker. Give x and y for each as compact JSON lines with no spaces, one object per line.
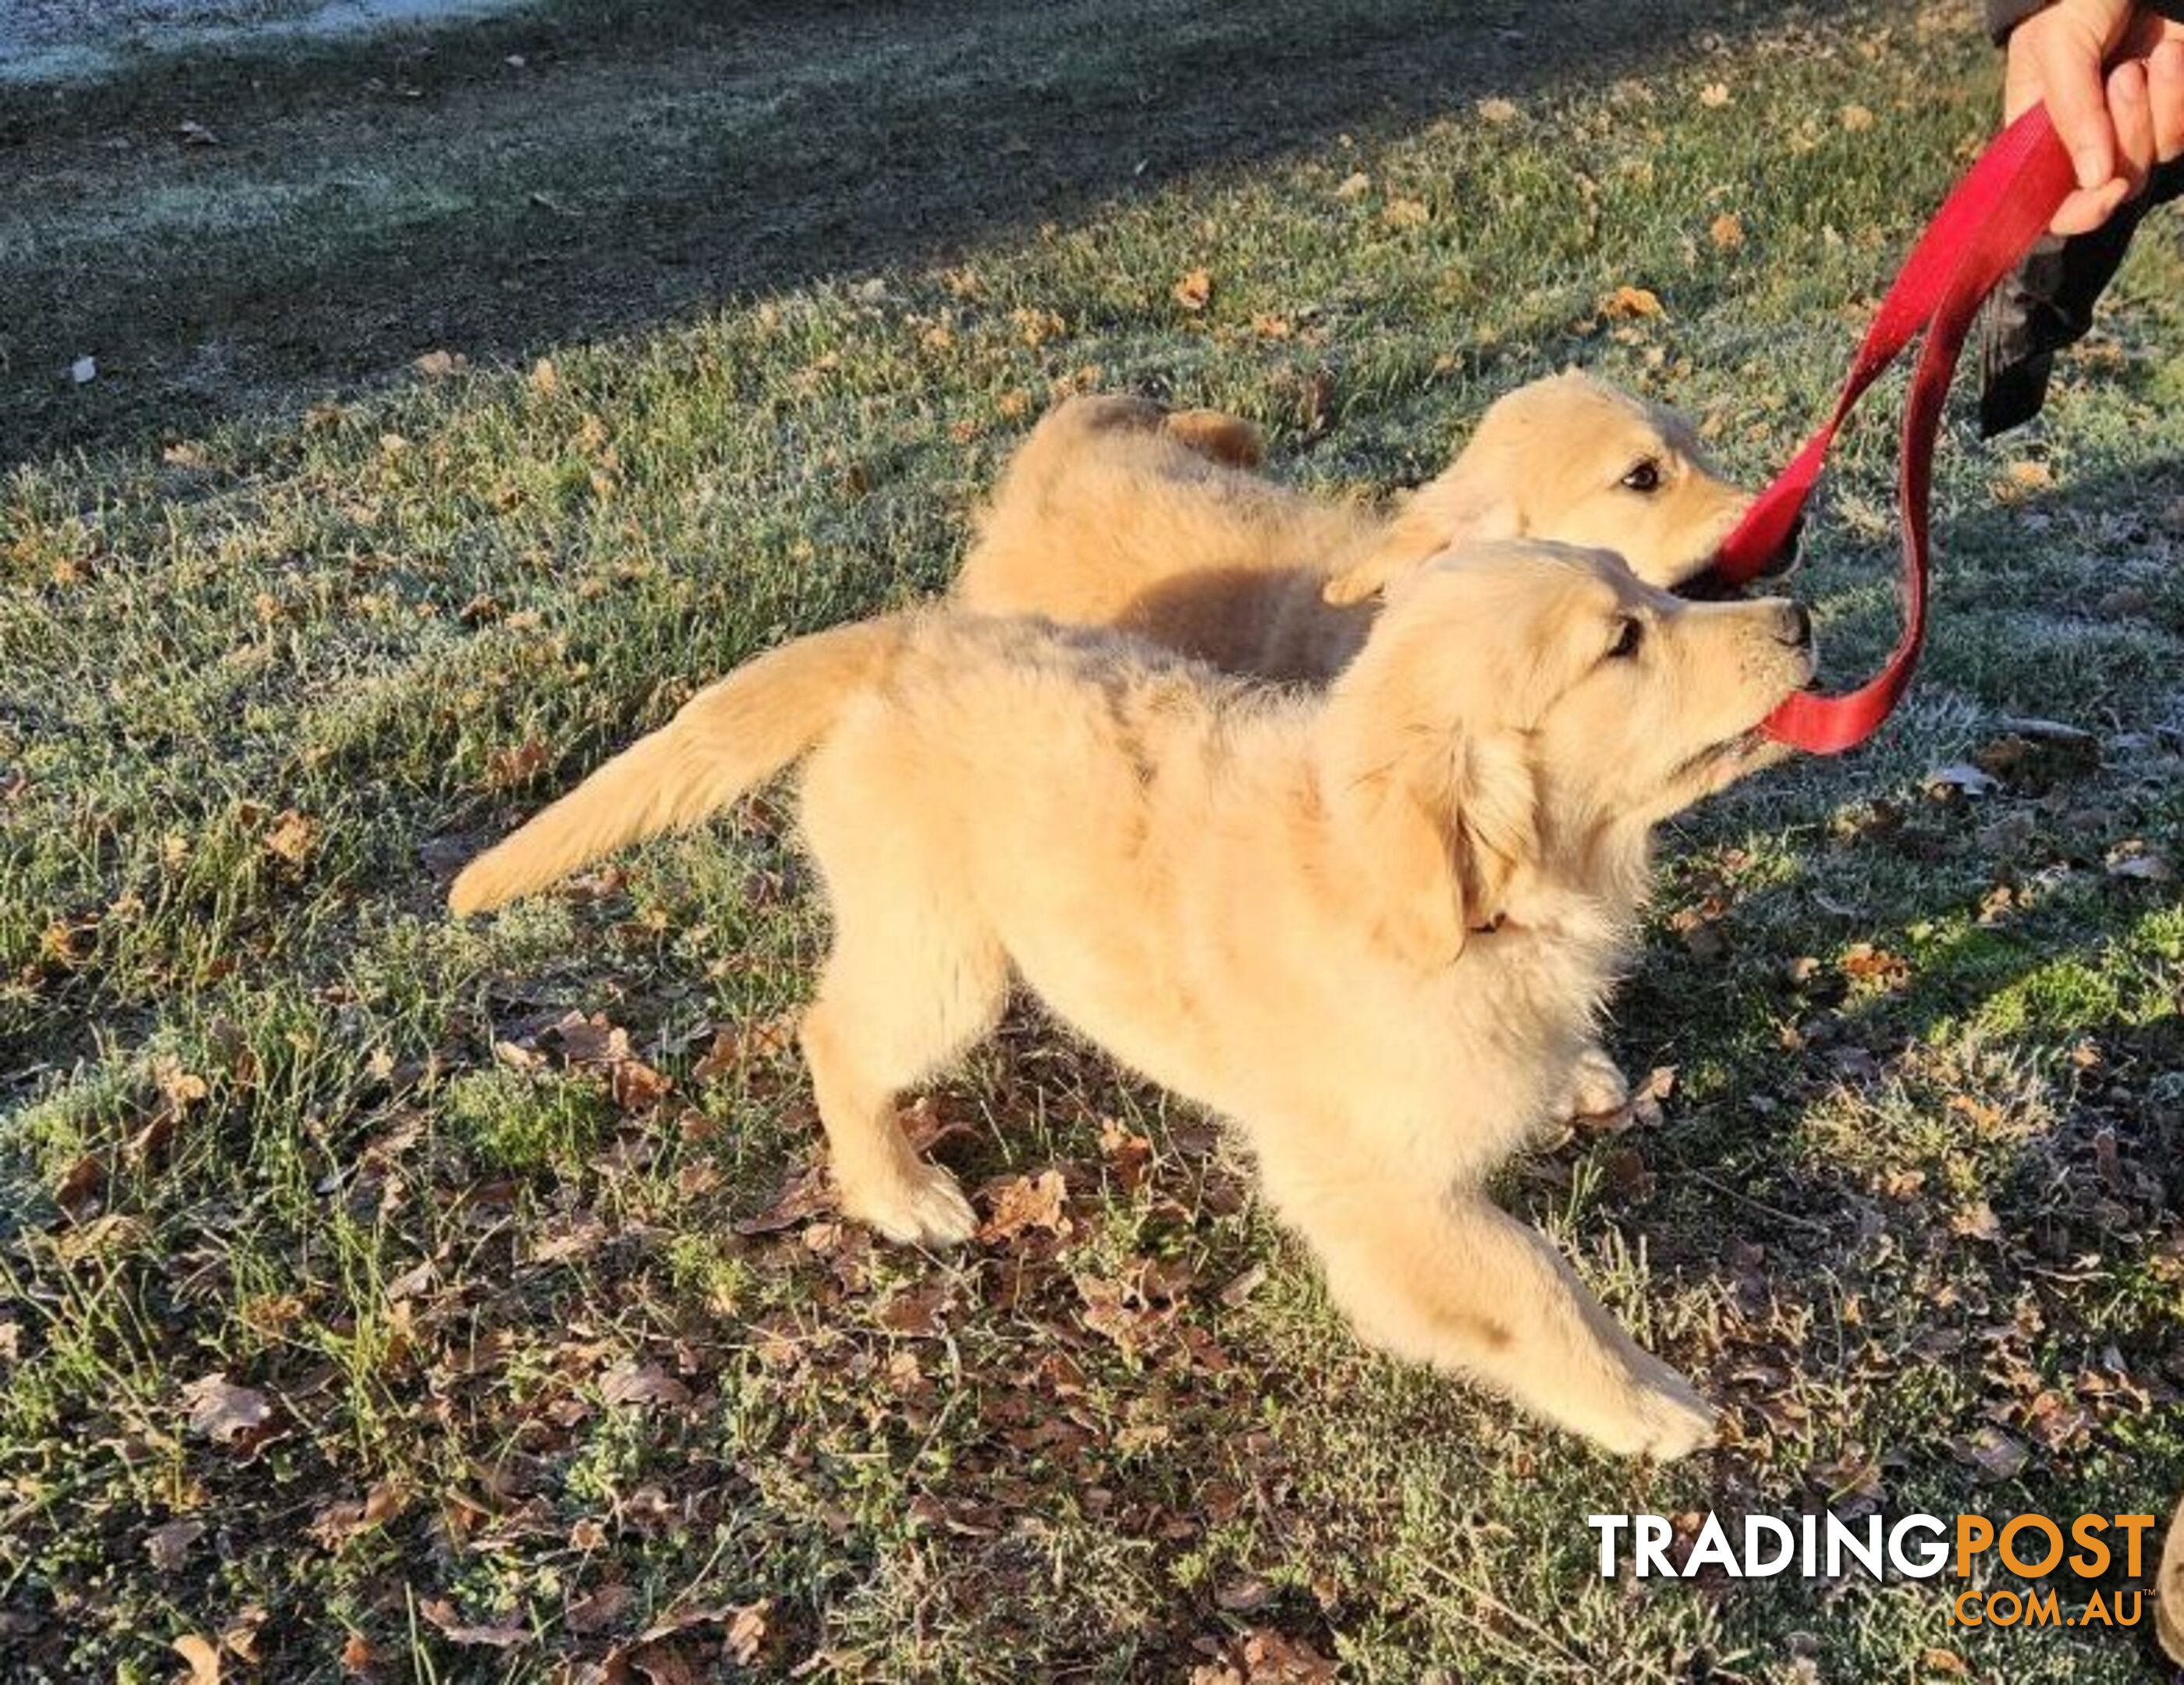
{"x":1917,"y":1546}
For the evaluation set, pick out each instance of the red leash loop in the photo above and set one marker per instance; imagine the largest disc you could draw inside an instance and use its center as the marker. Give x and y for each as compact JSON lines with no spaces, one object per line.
{"x":1982,"y":232}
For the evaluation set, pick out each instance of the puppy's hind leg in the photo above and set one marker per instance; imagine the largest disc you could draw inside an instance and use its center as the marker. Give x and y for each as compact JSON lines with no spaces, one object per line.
{"x":906,"y":990}
{"x":1459,"y":1284}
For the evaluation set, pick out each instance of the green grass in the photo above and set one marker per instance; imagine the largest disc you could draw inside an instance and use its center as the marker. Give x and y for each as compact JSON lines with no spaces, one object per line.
{"x":272,"y":664}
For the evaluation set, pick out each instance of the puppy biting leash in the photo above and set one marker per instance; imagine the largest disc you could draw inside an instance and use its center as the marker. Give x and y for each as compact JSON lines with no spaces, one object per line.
{"x":1982,"y":231}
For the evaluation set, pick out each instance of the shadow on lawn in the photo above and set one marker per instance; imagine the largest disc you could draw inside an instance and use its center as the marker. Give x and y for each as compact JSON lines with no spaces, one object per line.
{"x":502,"y":186}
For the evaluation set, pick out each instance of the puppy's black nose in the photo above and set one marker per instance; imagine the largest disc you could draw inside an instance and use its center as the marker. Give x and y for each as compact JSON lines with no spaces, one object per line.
{"x":1796,"y":624}
{"x":1786,"y":559}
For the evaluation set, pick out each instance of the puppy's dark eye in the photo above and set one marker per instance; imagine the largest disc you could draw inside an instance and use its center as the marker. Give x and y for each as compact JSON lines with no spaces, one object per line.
{"x":1628,"y":637}
{"x":1644,"y":477}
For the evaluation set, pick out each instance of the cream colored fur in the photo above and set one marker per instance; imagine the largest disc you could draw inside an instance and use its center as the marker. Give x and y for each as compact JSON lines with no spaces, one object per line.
{"x":1116,"y":513}
{"x":1371,"y":925}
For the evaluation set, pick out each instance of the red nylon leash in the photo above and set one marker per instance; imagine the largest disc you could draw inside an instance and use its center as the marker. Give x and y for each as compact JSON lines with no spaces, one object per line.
{"x":1982,"y":232}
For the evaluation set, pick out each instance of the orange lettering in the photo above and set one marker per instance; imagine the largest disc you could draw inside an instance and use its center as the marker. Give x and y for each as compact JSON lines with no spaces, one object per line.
{"x":2093,"y":1561}
{"x":1975,"y":1533}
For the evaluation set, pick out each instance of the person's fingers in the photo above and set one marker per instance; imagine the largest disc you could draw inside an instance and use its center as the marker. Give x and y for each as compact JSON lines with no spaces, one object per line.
{"x":2069,"y":81}
{"x":2164,"y":95}
{"x":2147,"y":31}
{"x":2133,"y":116}
{"x":2088,"y":208}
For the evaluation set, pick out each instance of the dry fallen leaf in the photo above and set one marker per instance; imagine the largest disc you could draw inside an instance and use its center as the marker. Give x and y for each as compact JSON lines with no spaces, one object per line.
{"x":1857,"y":118}
{"x":1128,"y":1155}
{"x":1994,"y":1454}
{"x":1714,"y":95}
{"x":239,"y":1637}
{"x":1022,"y":1202}
{"x":601,"y":1609}
{"x":2137,"y":859}
{"x":1108,"y":1312}
{"x":169,"y":1544}
{"x":439,"y":364}
{"x":80,"y":1184}
{"x":1354,"y":186}
{"x":500,"y":1636}
{"x":356,"y":1655}
{"x":629,"y":1382}
{"x":749,"y":1628}
{"x":1727,"y":231}
{"x":594,"y":1040}
{"x":223,"y":1412}
{"x":179,"y":1088}
{"x":915,"y":1311}
{"x":1195,"y":291}
{"x":1243,"y":1594}
{"x":1407,"y":214}
{"x":292,"y":836}
{"x":737,"y":1044}
{"x":1271,"y":1657}
{"x":637,"y":1086}
{"x":509,"y":768}
{"x":339,"y":1521}
{"x":568,"y":1239}
{"x":806,"y":1195}
{"x":202,"y":1657}
{"x":1627,"y":304}
{"x":1497,"y":110}
{"x":100,"y":1236}
{"x":1869,"y":965}
{"x":666,"y":1664}
{"x":517,"y":1057}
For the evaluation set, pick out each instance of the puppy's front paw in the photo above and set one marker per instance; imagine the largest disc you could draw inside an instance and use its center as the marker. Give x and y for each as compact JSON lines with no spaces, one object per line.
{"x":923,"y":1206}
{"x":1597,"y":1087}
{"x":1675,"y":1424}
{"x":1660,"y":1416}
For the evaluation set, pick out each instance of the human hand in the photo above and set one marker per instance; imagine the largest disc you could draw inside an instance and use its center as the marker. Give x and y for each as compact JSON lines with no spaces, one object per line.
{"x":2117,"y":123}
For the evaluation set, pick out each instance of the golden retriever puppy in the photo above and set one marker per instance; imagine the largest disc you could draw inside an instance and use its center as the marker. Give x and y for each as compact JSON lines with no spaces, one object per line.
{"x":1116,"y":513}
{"x":1371,"y":925}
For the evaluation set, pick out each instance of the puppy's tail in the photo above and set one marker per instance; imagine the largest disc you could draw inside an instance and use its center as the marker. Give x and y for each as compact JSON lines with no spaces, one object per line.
{"x":731,"y":737}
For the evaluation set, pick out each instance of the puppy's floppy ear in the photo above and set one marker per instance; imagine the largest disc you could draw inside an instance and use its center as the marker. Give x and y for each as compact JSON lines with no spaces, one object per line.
{"x":1497,"y":826}
{"x":1467,"y":502}
{"x":1430,"y":840}
{"x":1394,"y":861}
